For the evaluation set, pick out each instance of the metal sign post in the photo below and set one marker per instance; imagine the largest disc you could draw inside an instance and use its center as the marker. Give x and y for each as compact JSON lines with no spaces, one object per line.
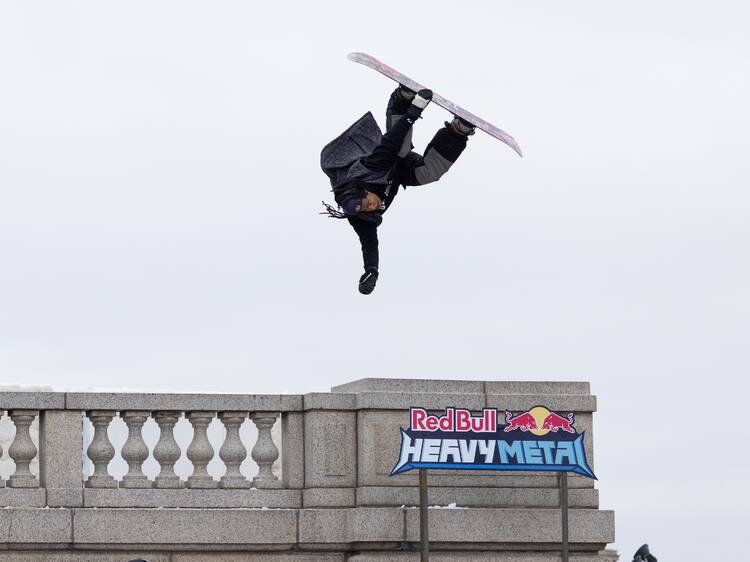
{"x":424,"y":523}
{"x":564,"y":512}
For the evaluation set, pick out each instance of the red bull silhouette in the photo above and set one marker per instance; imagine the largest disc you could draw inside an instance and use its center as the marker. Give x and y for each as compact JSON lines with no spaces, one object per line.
{"x":553,"y":422}
{"x":524,"y":422}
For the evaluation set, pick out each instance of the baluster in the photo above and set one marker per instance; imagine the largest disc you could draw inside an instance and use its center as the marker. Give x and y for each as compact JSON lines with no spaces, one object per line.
{"x":135,"y":450}
{"x":167,"y":451}
{"x":200,"y":452}
{"x":265,"y":452}
{"x":232,"y":451}
{"x":22,"y":450}
{"x":2,"y":480}
{"x":101,"y":450}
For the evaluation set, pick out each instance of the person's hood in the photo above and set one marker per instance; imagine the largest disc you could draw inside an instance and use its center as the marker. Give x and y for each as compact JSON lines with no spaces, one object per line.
{"x":339,"y":158}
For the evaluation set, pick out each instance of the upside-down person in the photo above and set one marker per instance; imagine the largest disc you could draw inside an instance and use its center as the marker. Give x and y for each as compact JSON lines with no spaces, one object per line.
{"x":367,"y":167}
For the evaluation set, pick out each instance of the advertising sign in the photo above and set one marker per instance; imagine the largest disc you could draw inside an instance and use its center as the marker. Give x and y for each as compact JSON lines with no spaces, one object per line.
{"x":537,"y":439}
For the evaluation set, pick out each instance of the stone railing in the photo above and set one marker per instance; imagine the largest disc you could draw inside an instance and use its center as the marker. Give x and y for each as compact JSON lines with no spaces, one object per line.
{"x":63,"y":419}
{"x":168,"y":477}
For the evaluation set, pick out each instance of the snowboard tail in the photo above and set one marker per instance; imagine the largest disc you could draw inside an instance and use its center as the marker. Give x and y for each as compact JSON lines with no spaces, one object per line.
{"x":489,"y":128}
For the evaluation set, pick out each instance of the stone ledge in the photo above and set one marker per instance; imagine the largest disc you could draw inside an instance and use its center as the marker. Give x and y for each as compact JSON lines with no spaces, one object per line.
{"x":32,"y":400}
{"x":257,"y":557}
{"x":183,"y":402}
{"x":436,"y":386}
{"x":485,"y":479}
{"x":382,"y":496}
{"x":567,"y":403}
{"x":483,"y":557}
{"x":405,"y":400}
{"x":328,"y":497}
{"x":326,"y":401}
{"x":35,"y":526}
{"x":65,"y":497}
{"x":183,"y":527}
{"x":81,"y":556}
{"x":23,"y":497}
{"x":313,"y":529}
{"x":528,"y":526}
{"x":346,"y":526}
{"x":192,"y":498}
{"x":218,"y":556}
{"x":538,"y":387}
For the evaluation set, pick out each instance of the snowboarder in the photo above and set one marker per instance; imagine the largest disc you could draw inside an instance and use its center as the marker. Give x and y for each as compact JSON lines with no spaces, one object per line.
{"x":367,"y":167}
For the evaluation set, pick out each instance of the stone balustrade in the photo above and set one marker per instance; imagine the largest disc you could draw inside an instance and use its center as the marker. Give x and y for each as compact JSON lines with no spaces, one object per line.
{"x":299,"y":475}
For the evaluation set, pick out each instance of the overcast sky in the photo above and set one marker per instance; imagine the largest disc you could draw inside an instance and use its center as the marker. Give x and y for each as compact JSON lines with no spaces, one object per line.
{"x":159,"y":191}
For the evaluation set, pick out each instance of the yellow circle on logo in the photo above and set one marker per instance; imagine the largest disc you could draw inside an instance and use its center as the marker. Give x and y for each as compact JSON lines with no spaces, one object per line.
{"x":539,"y":413}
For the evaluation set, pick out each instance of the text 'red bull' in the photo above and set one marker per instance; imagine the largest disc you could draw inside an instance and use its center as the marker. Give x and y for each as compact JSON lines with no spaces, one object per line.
{"x":454,"y":419}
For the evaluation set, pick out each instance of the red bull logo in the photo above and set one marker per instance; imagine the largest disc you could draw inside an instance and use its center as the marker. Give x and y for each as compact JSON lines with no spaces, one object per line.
{"x":524,"y":422}
{"x":553,"y":422}
{"x":539,"y":421}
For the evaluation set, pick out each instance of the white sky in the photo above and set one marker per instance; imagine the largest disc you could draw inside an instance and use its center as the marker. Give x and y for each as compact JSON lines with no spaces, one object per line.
{"x":159,"y":191}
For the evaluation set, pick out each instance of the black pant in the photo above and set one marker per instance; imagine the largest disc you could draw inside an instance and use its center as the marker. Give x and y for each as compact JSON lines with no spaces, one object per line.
{"x":368,"y":238}
{"x":385,"y":155}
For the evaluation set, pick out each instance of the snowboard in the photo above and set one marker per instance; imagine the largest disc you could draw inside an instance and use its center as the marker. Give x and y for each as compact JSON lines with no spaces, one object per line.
{"x":372,"y":62}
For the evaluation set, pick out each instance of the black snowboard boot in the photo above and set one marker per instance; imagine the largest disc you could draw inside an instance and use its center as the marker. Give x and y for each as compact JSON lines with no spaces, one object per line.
{"x":460,"y":126}
{"x":367,"y":281}
{"x":405,"y":93}
{"x":418,"y":104}
{"x":400,"y":100}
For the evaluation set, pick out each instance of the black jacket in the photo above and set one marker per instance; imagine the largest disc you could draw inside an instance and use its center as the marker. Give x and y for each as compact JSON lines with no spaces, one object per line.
{"x":446,"y":145}
{"x":363,"y":159}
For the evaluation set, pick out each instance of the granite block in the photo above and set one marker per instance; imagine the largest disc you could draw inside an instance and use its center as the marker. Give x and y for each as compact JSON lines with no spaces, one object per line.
{"x":257,"y":557}
{"x":483,"y":478}
{"x":35,"y":526}
{"x":405,"y":400}
{"x":347,"y":526}
{"x":22,"y":497}
{"x":184,"y":527}
{"x":323,"y":526}
{"x":61,"y":456}
{"x":330,"y":449}
{"x":434,"y":386}
{"x":537,"y":387}
{"x":375,"y":524}
{"x":64,"y":497}
{"x":522,"y":402}
{"x":476,"y":496}
{"x":378,"y":442}
{"x":192,"y":498}
{"x":529,"y":526}
{"x":328,"y":497}
{"x":293,"y":450}
{"x":81,"y":556}
{"x":32,"y":400}
{"x":327,"y":401}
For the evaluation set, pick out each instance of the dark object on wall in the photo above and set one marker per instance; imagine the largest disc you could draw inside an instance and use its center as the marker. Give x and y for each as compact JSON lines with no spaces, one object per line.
{"x":643,"y":555}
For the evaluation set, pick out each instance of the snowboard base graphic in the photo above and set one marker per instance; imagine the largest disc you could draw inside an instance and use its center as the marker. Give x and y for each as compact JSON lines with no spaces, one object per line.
{"x":372,"y":62}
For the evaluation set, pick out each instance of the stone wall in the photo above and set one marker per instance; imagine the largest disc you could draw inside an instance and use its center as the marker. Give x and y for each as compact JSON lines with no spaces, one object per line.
{"x":319,"y":491}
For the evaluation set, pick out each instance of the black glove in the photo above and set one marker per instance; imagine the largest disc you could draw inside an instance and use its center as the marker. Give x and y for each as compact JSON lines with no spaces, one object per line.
{"x":420,"y":101}
{"x":367,"y":281}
